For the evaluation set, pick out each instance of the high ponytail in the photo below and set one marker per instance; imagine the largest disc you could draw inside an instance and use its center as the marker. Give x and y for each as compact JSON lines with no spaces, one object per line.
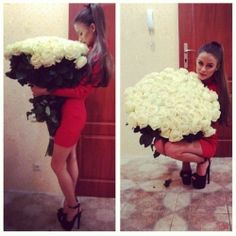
{"x":93,"y":13}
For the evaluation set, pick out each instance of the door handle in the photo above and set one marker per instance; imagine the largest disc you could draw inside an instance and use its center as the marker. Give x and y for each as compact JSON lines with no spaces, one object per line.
{"x":186,"y":51}
{"x":189,"y":50}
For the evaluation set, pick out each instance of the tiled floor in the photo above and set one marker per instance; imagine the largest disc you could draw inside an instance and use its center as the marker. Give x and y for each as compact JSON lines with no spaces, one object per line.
{"x":146,"y":204}
{"x":37,"y":212}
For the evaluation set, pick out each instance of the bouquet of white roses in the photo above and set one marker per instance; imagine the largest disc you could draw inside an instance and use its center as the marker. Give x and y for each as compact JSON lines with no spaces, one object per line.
{"x":172,"y":104}
{"x":47,"y":62}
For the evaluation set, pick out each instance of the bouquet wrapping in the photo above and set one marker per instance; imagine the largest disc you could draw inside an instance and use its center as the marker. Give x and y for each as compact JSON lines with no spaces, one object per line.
{"x":173,"y":105}
{"x":47,"y":62}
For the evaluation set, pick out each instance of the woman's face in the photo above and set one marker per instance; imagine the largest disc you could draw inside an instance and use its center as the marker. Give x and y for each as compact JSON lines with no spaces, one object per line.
{"x":86,"y":34}
{"x":206,"y":65}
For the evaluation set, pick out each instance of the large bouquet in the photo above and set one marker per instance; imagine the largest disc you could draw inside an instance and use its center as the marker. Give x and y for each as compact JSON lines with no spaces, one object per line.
{"x":173,"y":105}
{"x":47,"y":62}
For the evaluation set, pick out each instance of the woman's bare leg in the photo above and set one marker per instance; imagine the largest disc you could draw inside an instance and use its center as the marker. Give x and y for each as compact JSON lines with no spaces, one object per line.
{"x":72,"y":166}
{"x":159,"y":146}
{"x":184,"y":151}
{"x":201,"y":168}
{"x":186,"y":166}
{"x":59,"y":166}
{"x":187,"y":152}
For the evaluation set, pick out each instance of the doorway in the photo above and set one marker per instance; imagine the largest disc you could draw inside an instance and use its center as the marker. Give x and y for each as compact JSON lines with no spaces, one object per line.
{"x":96,"y":148}
{"x":199,"y":24}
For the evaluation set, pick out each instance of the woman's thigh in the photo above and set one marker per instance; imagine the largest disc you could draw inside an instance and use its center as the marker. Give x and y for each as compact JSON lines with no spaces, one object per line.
{"x":60,"y":155}
{"x":183,"y":147}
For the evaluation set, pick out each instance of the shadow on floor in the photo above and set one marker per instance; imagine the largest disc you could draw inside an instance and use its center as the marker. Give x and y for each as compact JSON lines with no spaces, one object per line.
{"x":37,"y":212}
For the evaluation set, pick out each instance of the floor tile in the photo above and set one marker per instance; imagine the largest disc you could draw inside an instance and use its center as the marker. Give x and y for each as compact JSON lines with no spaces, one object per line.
{"x":147,"y":204}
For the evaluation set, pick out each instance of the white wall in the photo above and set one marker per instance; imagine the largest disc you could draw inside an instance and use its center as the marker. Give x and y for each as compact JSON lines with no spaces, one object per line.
{"x":138,"y":58}
{"x":25,"y":142}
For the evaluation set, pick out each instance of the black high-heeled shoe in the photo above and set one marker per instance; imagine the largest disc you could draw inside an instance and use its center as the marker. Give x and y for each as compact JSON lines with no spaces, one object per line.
{"x":60,"y":212}
{"x":198,"y":181}
{"x":68,"y":225}
{"x":186,"y":177}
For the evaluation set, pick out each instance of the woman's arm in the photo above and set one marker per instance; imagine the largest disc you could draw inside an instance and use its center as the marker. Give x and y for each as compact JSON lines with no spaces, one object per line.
{"x":79,"y":92}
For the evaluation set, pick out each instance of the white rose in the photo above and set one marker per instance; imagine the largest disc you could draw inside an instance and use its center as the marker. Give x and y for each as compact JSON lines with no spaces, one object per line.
{"x":35,"y":61}
{"x":47,"y":51}
{"x":174,"y":101}
{"x":216,"y":115}
{"x":209,"y":132}
{"x":175,"y":135}
{"x":129,"y":91}
{"x":132,"y":120}
{"x":165,"y":132}
{"x":155,"y":122}
{"x":80,"y":62}
{"x":129,"y":106}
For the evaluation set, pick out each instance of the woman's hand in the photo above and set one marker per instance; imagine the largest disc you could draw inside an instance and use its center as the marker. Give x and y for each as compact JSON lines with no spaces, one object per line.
{"x":37,"y":91}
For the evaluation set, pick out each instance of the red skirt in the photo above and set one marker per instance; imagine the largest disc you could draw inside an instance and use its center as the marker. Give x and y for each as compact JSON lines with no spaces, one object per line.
{"x":72,"y":122}
{"x":209,"y":146}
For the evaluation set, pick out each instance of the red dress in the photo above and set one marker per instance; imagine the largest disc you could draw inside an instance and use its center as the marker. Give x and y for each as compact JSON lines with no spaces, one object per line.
{"x":209,"y":144}
{"x":73,"y":111}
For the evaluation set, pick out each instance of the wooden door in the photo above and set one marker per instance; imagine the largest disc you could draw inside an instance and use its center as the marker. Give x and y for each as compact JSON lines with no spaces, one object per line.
{"x":96,"y":148}
{"x":201,"y":23}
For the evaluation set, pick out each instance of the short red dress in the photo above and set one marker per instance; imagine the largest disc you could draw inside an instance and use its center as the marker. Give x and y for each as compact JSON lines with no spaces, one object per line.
{"x":73,"y":111}
{"x":209,"y":144}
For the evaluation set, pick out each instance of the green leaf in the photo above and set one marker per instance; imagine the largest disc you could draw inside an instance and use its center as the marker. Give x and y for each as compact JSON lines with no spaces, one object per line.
{"x":20,"y":75}
{"x":11,"y":74}
{"x":146,"y":140}
{"x":156,"y":154}
{"x":136,"y":129}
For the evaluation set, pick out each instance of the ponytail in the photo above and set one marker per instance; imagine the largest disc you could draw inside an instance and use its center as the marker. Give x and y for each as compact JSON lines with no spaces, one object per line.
{"x":93,"y":13}
{"x":217,"y":51}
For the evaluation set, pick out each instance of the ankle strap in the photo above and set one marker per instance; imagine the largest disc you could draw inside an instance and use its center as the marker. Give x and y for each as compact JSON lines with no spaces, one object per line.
{"x":74,"y":207}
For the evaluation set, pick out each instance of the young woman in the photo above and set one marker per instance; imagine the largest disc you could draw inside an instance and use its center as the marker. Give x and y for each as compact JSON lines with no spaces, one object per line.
{"x":90,"y":27}
{"x":210,"y":70}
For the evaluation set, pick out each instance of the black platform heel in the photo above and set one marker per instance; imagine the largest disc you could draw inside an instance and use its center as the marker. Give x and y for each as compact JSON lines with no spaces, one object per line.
{"x":60,"y":212}
{"x":199,"y":182}
{"x":68,"y":225}
{"x":186,"y":177}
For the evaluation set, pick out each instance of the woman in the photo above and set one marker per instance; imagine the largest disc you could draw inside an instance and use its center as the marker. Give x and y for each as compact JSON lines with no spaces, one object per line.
{"x":90,"y":27}
{"x":210,"y":70}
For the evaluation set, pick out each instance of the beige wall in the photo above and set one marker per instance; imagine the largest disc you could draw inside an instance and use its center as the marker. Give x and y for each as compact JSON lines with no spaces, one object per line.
{"x":25,"y":142}
{"x":138,"y":57}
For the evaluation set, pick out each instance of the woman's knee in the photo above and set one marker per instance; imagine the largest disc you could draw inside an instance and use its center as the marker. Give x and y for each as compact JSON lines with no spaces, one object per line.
{"x":73,"y":155}
{"x":159,"y":146}
{"x":56,"y":166}
{"x":59,"y":157}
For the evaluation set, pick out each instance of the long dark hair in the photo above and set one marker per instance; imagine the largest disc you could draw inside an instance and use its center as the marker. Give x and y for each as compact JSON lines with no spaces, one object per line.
{"x":217,"y":51}
{"x":93,"y":13}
